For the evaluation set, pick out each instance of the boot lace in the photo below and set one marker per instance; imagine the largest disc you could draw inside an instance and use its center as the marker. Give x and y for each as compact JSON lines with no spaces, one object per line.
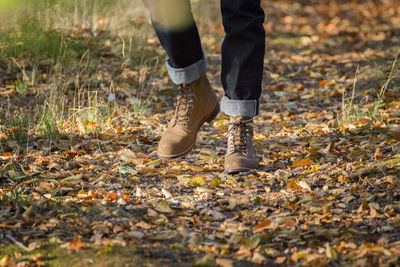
{"x":238,"y":136}
{"x":184,"y":106}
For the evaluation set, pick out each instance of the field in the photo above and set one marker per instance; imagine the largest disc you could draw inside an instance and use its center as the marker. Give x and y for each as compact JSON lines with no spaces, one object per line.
{"x":85,"y":95}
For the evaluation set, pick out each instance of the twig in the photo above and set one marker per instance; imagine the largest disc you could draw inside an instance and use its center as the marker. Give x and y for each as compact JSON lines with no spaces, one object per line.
{"x":19,"y":243}
{"x":123,"y":46}
{"x":22,"y":69}
{"x":390,"y":78}
{"x":371,"y":168}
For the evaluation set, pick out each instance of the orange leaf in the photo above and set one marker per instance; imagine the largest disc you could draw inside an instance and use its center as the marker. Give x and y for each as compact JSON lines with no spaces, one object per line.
{"x":280,"y":260}
{"x":193,"y":168}
{"x":91,"y":125}
{"x":118,"y":129}
{"x":322,"y":83}
{"x":302,"y":163}
{"x":290,"y":223}
{"x":293,"y":186}
{"x":72,"y":153}
{"x":111,"y":196}
{"x":127,"y":198}
{"x":262,"y":226}
{"x":5,"y":261}
{"x":39,"y":257}
{"x":76,"y":244}
{"x":6,"y":154}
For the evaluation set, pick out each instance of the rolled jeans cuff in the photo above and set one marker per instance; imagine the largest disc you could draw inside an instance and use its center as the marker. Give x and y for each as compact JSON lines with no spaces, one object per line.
{"x":188,"y":74}
{"x":248,"y":108}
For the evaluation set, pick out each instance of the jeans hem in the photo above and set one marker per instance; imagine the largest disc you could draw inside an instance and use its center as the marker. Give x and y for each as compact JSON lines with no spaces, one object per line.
{"x":248,"y":108}
{"x":188,"y":74}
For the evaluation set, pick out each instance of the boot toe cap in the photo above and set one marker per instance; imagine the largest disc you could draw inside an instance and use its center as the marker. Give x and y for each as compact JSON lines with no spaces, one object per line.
{"x":240,"y":164}
{"x":172,"y":146}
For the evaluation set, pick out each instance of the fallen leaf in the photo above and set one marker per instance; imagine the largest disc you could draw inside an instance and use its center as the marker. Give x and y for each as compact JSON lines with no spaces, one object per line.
{"x":197,"y":180}
{"x":5,"y":261}
{"x":224,"y":262}
{"x":39,"y":257}
{"x":323,"y":83}
{"x":166,"y":193}
{"x":302,"y":163}
{"x":280,"y":260}
{"x":262,"y":226}
{"x":144,"y":225}
{"x":76,"y":244}
{"x":259,"y":258}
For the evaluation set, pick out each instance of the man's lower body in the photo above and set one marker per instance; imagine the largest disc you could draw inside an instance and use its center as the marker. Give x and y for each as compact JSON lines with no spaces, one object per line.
{"x":242,"y":70}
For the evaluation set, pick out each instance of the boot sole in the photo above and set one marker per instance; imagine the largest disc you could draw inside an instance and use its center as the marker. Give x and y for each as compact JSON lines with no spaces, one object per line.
{"x":208,"y":119}
{"x":236,"y":171}
{"x":241,"y":169}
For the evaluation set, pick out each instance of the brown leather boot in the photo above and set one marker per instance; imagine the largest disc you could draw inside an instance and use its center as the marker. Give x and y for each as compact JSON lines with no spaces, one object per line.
{"x":240,"y":155}
{"x":196,"y":104}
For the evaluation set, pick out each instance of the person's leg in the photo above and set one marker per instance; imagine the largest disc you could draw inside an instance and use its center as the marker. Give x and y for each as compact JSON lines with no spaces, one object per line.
{"x":177,"y":32}
{"x":242,"y":70}
{"x":242,"y":56}
{"x":197,"y":103}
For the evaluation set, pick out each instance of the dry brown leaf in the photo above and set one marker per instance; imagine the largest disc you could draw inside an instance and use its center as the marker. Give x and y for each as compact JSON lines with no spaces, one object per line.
{"x":259,"y":258}
{"x":5,"y":261}
{"x":39,"y":257}
{"x":76,"y":244}
{"x":280,"y":260}
{"x":166,"y":193}
{"x":224,"y":262}
{"x":262,"y":226}
{"x":144,"y":225}
{"x":302,"y":163}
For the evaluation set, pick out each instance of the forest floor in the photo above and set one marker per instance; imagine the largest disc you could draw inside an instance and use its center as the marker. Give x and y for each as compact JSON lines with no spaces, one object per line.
{"x":81,"y":184}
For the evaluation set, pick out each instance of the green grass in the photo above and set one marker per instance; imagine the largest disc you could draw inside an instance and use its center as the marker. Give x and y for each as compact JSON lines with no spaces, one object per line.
{"x":64,"y":57}
{"x":16,"y":199}
{"x":352,"y":111}
{"x":91,"y":255}
{"x":16,"y":128}
{"x":35,"y":43}
{"x":49,"y":64}
{"x":41,"y":58}
{"x":50,"y":122}
{"x":290,"y":40}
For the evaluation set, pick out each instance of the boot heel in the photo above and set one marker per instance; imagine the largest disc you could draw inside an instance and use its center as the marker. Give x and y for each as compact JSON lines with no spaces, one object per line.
{"x":213,"y":114}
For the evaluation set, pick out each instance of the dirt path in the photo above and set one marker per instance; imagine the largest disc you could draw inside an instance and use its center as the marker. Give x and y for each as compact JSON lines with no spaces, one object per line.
{"x":328,"y":192}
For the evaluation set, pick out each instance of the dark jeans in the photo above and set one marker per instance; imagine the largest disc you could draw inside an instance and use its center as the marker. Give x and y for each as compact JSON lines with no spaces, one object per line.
{"x":242,"y":53}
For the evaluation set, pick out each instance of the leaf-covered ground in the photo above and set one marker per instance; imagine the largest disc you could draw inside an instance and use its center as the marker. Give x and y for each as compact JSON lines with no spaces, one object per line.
{"x":328,"y":192}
